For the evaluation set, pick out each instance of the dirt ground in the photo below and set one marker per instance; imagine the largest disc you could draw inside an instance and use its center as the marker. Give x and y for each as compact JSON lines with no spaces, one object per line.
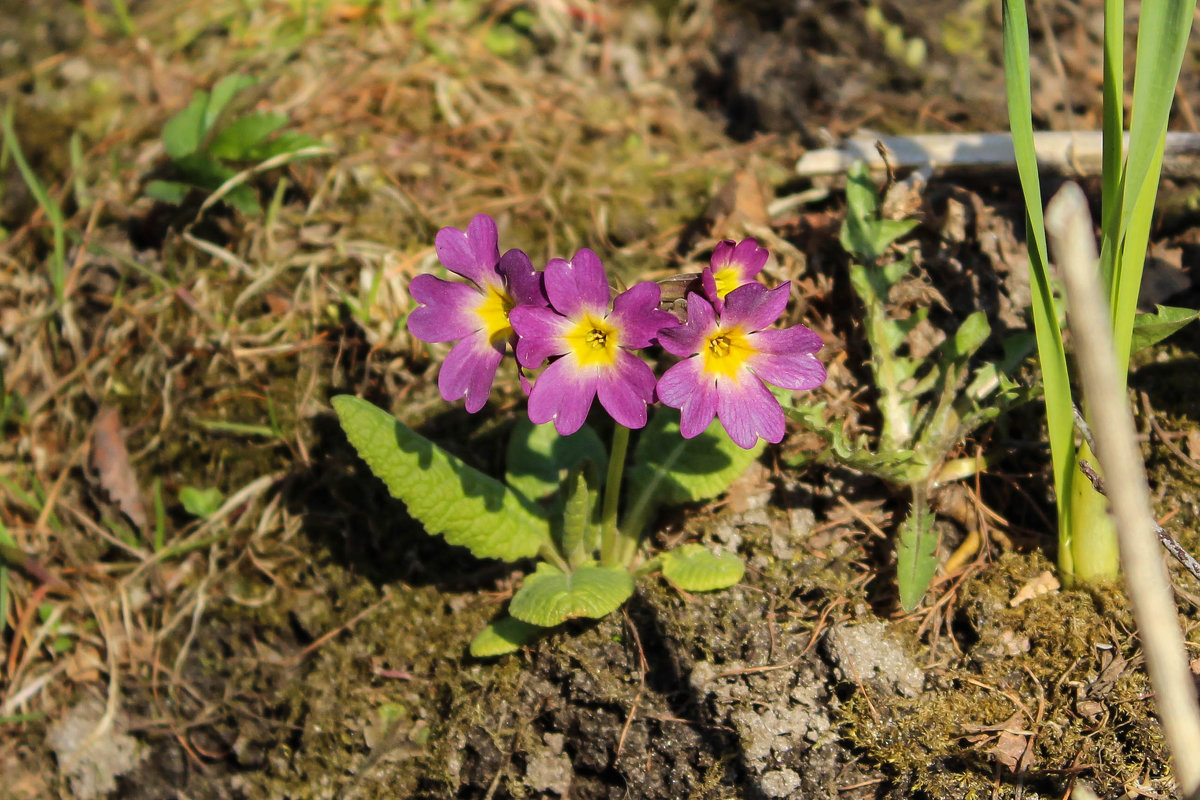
{"x":207,"y":595}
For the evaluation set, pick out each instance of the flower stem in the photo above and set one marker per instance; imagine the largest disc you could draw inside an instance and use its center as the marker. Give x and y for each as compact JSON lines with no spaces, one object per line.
{"x":612,"y":495}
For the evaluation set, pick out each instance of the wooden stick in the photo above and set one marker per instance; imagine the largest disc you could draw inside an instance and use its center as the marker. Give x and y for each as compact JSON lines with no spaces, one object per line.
{"x":1069,"y":227}
{"x":1070,"y":154}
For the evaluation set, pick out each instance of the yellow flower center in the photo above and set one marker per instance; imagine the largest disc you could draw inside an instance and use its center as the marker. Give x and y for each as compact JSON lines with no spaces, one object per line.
{"x":725,"y":352}
{"x":493,"y":313}
{"x":593,"y":341}
{"x":727,"y":280}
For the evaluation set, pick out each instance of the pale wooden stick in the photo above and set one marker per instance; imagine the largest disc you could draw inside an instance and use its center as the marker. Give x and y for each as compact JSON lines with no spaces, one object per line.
{"x":1069,"y":226}
{"x":1071,"y":154}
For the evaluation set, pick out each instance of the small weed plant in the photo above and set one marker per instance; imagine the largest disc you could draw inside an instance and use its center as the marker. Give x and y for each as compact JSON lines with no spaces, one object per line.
{"x":216,"y":156}
{"x":927,"y":405}
{"x":582,"y":511}
{"x":1087,"y":542}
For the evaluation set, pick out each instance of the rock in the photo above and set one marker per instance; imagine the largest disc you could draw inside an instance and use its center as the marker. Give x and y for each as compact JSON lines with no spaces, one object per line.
{"x":869,"y":652}
{"x":89,"y":756}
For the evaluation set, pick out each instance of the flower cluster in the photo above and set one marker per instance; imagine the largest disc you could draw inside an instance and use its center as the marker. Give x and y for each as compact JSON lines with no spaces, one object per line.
{"x":567,"y":315}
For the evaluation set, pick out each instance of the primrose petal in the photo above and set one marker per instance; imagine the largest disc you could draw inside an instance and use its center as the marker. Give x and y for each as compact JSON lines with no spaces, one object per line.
{"x":469,"y":369}
{"x":755,"y":307}
{"x":539,"y":334}
{"x":446,"y":309}
{"x":749,"y":412}
{"x":472,"y":253}
{"x":523,"y":281}
{"x":578,"y":284}
{"x":563,"y":393}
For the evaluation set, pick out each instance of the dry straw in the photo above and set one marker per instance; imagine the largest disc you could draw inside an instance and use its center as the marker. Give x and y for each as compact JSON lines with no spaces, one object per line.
{"x":1069,"y":226}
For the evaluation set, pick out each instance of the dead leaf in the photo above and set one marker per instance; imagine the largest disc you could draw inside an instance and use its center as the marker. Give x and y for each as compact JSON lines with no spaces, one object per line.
{"x":110,"y":460}
{"x":1039,"y":585}
{"x":1009,"y":748}
{"x":739,"y":203}
{"x":1113,"y":665}
{"x":1091,"y":710}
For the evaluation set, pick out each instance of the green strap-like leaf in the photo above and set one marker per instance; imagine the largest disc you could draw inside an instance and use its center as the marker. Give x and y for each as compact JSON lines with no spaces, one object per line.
{"x":550,"y":596}
{"x":695,"y":568}
{"x":1052,"y":357}
{"x":505,"y":635}
{"x":446,"y":496}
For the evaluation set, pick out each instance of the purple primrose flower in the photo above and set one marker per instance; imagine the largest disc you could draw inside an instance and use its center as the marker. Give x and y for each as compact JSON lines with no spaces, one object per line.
{"x":591,"y":340}
{"x":732,"y":265}
{"x":474,"y":314}
{"x":728,"y":359}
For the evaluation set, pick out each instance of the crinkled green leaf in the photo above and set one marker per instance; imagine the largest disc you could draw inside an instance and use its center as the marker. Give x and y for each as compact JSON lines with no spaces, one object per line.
{"x":505,"y":635}
{"x":539,"y":458}
{"x":183,"y":132}
{"x":1149,"y":329}
{"x":446,"y":496}
{"x":690,"y":469}
{"x":550,"y":596}
{"x":916,"y":555}
{"x":695,"y":568}
{"x":237,"y":140}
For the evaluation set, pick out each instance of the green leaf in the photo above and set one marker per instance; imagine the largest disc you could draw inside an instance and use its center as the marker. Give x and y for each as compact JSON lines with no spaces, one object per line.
{"x":550,"y":596}
{"x":222,"y":93}
{"x":286,"y":142}
{"x":238,"y":139}
{"x":579,"y":530}
{"x":183,"y":132}
{"x":446,"y":496}
{"x":1060,"y":420}
{"x":538,"y":458}
{"x":695,"y":568}
{"x":916,"y":554}
{"x":200,"y":502}
{"x":1149,"y":329}
{"x":863,"y":234}
{"x":244,"y":199}
{"x":203,"y":172}
{"x":505,"y":635}
{"x":689,"y":470}
{"x":173,"y":192}
{"x":970,"y":336}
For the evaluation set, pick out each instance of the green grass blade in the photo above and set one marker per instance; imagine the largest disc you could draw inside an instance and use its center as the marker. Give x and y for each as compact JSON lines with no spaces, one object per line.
{"x":1162,"y":38}
{"x":1130,"y":262}
{"x":52,"y":210}
{"x":1059,"y":413}
{"x":1163,"y":30}
{"x":1113,"y":131}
